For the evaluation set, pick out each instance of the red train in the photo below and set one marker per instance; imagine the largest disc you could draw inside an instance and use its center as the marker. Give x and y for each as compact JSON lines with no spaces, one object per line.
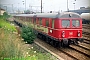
{"x":58,"y":29}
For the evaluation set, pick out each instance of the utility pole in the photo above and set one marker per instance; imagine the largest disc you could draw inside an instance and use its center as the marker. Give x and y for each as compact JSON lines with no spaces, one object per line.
{"x":5,"y":8}
{"x":0,"y":9}
{"x":67,"y":6}
{"x":18,"y":8}
{"x":12,"y":8}
{"x":74,"y":4}
{"x":41,"y":6}
{"x":24,"y":2}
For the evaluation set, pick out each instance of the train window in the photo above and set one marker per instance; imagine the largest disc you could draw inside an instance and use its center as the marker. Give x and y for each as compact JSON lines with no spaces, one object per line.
{"x":30,"y":19}
{"x":37,"y":20}
{"x":27,"y":19}
{"x":75,"y":23}
{"x":21,"y":18}
{"x":17,"y":17}
{"x":66,"y":23}
{"x":34,"y":20}
{"x":53,"y":23}
{"x":40,"y":21}
{"x":47,"y":23}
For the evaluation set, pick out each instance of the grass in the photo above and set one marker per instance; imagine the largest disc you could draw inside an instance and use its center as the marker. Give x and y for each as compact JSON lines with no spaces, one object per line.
{"x":11,"y":45}
{"x":6,"y":25}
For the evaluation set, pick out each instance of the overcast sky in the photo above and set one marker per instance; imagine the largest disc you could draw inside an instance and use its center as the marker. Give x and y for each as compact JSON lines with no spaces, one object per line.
{"x":48,"y":5}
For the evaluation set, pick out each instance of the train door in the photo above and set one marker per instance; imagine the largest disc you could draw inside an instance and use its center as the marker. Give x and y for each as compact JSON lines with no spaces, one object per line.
{"x":51,"y":30}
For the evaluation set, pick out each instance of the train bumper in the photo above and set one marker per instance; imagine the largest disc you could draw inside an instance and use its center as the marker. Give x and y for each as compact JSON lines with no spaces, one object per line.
{"x":80,"y":39}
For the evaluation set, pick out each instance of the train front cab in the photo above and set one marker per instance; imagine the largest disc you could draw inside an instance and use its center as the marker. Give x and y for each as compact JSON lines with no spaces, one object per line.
{"x":71,"y":31}
{"x":66,"y":29}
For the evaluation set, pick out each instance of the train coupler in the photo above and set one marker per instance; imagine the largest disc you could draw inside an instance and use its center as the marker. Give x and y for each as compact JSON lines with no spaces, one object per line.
{"x":80,"y":39}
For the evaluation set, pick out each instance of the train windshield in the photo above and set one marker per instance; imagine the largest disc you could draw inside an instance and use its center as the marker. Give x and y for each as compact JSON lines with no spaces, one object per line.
{"x":65,"y":23}
{"x":75,"y":23}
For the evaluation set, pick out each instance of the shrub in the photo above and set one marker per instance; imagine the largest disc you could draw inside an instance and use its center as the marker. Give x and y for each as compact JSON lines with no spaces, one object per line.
{"x":28,"y":35}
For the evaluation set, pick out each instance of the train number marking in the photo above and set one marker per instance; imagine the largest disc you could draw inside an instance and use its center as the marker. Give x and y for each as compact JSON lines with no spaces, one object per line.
{"x":70,"y":33}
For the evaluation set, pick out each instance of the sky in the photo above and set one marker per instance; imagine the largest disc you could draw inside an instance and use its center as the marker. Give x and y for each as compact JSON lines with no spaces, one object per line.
{"x":48,"y":5}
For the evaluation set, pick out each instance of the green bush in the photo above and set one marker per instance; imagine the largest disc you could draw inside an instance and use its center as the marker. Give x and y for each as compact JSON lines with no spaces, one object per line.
{"x":28,"y":35}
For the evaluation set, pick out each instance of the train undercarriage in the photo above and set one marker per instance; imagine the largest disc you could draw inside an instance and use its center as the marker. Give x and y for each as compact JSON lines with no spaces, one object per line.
{"x":56,"y":42}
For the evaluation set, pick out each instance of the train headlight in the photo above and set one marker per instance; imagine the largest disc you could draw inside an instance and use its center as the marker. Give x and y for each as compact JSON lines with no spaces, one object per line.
{"x":63,"y":34}
{"x":78,"y":33}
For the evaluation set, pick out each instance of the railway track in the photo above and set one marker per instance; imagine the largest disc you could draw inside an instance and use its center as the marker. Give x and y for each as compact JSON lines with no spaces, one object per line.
{"x":86,"y":26}
{"x":81,"y":46}
{"x":86,"y":30}
{"x":74,"y":52}
{"x":86,"y":33}
{"x":55,"y":51}
{"x":87,"y":46}
{"x":80,"y":50}
{"x":86,"y":40}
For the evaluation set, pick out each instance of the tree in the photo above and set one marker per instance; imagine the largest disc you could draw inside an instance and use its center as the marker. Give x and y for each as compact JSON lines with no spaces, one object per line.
{"x":27,"y":12}
{"x":5,"y":14}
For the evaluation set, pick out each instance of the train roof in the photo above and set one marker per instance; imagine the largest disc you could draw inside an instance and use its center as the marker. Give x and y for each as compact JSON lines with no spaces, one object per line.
{"x":25,"y":15}
{"x":52,"y":15}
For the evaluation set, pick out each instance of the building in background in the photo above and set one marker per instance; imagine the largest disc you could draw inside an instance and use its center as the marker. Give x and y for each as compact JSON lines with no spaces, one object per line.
{"x":2,"y":11}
